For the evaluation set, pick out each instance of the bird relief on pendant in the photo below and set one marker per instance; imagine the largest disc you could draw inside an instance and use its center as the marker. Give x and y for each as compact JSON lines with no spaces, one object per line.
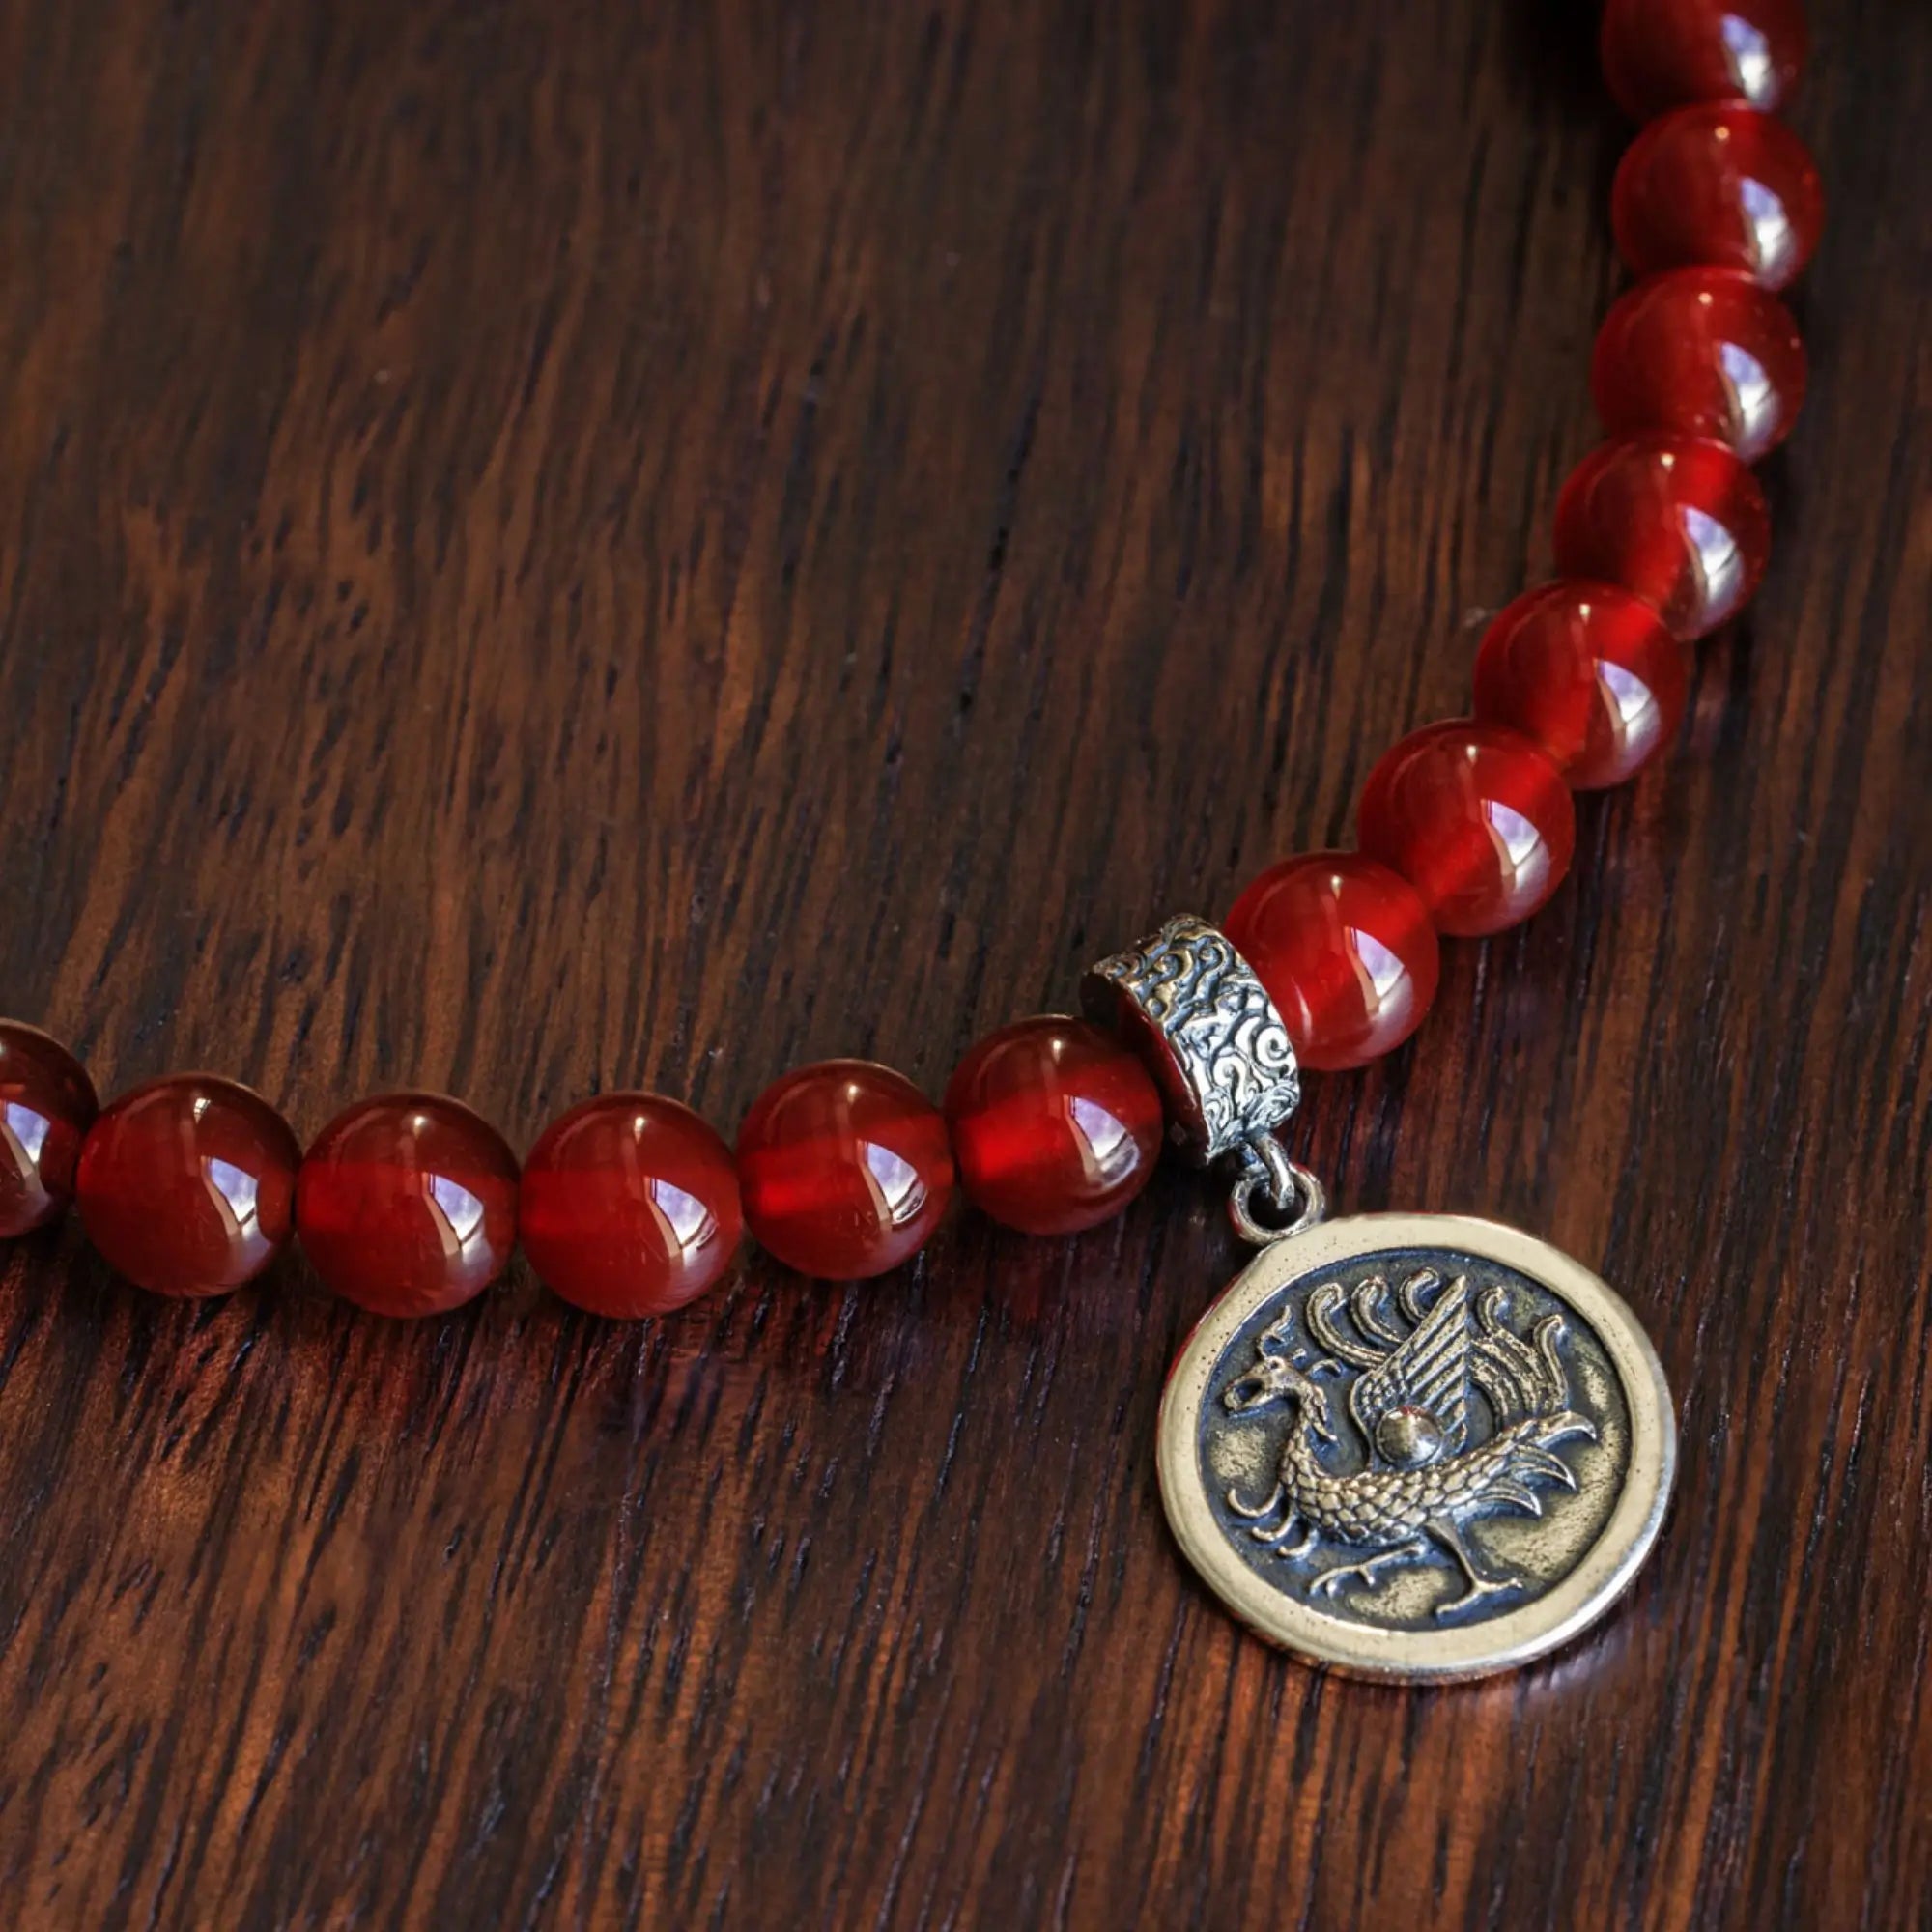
{"x":1417,"y":1446}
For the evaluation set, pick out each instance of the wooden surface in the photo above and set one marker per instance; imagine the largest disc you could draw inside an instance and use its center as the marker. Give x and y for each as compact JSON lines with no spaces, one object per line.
{"x":547,"y":546}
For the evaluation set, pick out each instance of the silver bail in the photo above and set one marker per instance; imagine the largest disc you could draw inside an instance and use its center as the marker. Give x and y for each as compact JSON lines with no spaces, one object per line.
{"x":1198,"y":1016}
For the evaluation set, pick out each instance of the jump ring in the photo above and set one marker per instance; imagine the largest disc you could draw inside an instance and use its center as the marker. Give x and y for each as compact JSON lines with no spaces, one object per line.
{"x":1283,"y":1181}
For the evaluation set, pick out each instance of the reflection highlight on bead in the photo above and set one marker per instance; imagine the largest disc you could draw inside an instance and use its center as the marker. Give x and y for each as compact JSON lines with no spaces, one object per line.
{"x":1773,"y":241}
{"x":462,"y":1212}
{"x":1381,"y":971}
{"x":683,"y":1219}
{"x":1632,"y":702}
{"x":235,"y":1196}
{"x":897,"y":1192}
{"x":1753,"y":400}
{"x":1719,"y":562}
{"x":26,"y":1131}
{"x":1520,"y":850}
{"x":1749,"y":51}
{"x":1103,"y":1142}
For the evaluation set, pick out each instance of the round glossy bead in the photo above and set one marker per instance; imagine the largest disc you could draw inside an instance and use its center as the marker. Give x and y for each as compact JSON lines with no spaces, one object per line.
{"x":1590,"y":671}
{"x":1721,"y":185}
{"x":186,"y":1185}
{"x":1347,"y":952}
{"x":1700,"y":351}
{"x":1476,"y":817}
{"x":629,"y":1206}
{"x":1678,"y":519}
{"x":1055,"y":1125}
{"x":1660,"y":54}
{"x":46,"y":1105}
{"x":844,"y":1169}
{"x":407,"y":1203}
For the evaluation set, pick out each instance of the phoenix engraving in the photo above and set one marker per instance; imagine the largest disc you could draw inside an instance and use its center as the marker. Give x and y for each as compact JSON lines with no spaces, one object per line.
{"x":1412,"y":1403}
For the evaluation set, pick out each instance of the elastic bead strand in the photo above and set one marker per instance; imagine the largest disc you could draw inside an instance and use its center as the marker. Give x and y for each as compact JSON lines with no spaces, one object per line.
{"x":411,"y":1204}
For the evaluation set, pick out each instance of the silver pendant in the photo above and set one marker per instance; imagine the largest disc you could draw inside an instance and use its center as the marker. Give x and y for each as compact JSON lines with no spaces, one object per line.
{"x":1410,"y":1446}
{"x":1417,"y":1446}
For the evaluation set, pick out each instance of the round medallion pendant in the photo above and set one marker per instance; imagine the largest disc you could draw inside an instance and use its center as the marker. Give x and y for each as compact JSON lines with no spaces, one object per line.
{"x":1417,"y":1446}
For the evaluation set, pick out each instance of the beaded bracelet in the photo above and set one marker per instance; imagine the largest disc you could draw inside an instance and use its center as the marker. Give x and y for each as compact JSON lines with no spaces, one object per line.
{"x":630,"y":1205}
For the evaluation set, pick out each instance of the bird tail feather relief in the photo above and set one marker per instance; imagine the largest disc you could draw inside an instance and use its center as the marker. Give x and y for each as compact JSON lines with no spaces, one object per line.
{"x":1530,"y":1457}
{"x":1533,"y":1458}
{"x":1561,"y":1427}
{"x":1519,"y":1495}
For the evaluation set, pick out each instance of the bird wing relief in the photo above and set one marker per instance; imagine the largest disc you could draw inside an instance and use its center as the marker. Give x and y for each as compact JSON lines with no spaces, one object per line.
{"x":1430,"y":1369}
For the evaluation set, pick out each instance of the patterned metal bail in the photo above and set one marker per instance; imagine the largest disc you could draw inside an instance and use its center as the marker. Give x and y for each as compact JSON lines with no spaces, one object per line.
{"x":1198,"y":1016}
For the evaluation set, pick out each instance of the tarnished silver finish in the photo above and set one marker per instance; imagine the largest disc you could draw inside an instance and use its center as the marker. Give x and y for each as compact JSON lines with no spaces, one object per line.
{"x":1417,"y":1446}
{"x":1204,"y":1023}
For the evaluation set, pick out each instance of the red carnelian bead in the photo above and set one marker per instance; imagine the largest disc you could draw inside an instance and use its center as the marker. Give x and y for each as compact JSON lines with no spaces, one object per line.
{"x":1347,"y":952}
{"x":1678,"y":519}
{"x":46,"y":1105}
{"x":1476,"y":817}
{"x":1701,"y":352}
{"x":845,"y":1169}
{"x":1659,"y":54}
{"x":629,"y":1206}
{"x":407,"y":1203}
{"x":1055,"y":1125}
{"x":186,"y":1185}
{"x":1590,"y":673}
{"x":1721,"y":185}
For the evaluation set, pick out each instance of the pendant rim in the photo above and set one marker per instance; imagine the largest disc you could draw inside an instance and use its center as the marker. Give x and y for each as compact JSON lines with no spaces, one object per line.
{"x":1512,"y":1638}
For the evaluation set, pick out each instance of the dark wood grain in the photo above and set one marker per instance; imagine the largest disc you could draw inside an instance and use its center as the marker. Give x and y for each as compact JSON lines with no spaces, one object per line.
{"x":547,"y":545}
